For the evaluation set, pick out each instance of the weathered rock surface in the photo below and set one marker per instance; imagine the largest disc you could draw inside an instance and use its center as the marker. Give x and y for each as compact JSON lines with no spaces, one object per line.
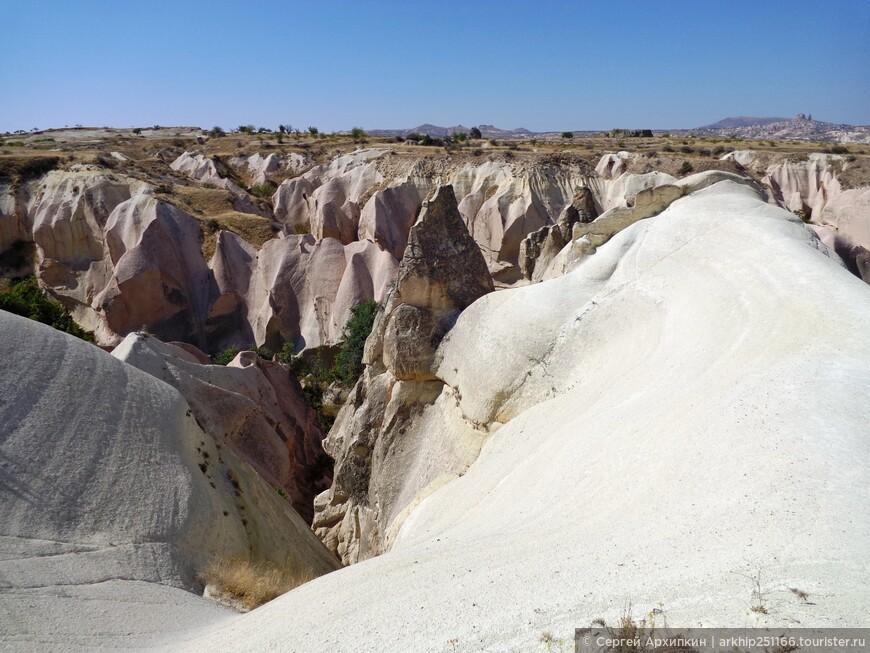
{"x":213,"y":171}
{"x":611,"y":166}
{"x":386,"y":457}
{"x":540,"y":247}
{"x":294,"y":289}
{"x":606,"y":394}
{"x":326,"y":200}
{"x":254,"y":407}
{"x":116,"y":256}
{"x":113,"y":500}
{"x":259,"y":169}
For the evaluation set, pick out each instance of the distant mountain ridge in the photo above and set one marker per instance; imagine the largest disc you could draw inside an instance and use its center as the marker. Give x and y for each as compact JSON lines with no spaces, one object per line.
{"x":486,"y":131}
{"x":800,"y":128}
{"x":741,"y":121}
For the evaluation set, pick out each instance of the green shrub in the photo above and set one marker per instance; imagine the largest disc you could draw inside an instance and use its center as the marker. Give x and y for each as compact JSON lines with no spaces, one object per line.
{"x":567,"y":134}
{"x":227,"y":355}
{"x":686,"y":168}
{"x":263,"y":191}
{"x":357,"y":133}
{"x":24,"y":297}
{"x":348,"y":363}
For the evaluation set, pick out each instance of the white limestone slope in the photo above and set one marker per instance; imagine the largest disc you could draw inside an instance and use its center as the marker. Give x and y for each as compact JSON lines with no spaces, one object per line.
{"x":684,"y":411}
{"x":113,"y":500}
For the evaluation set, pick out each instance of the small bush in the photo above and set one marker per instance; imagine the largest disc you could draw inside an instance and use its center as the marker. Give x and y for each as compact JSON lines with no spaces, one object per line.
{"x":685,"y":169}
{"x":348,"y":363}
{"x":567,"y":134}
{"x":226,"y":356}
{"x":685,"y":149}
{"x":216,"y":132}
{"x":357,"y":133}
{"x":263,"y":191}
{"x":24,"y":297}
{"x":252,"y":583}
{"x":667,"y":148}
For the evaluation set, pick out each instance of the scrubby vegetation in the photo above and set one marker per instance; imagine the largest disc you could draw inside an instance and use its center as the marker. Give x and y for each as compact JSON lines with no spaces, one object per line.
{"x":251,"y":583}
{"x":24,"y":297}
{"x":227,"y":355}
{"x":348,"y":363}
{"x":316,"y":376}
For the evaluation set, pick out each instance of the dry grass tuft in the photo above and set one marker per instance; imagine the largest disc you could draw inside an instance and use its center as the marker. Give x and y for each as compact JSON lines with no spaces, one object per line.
{"x":251,"y":583}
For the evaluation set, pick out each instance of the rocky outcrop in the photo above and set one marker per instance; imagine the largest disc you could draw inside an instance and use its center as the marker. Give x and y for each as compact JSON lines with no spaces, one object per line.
{"x":294,"y":289}
{"x":689,"y":369}
{"x":213,"y":172}
{"x":199,"y":167}
{"x":646,"y":203}
{"x":113,"y":501}
{"x":116,"y":256}
{"x":156,"y":274}
{"x":326,"y":200}
{"x":252,"y":406}
{"x":259,"y":169}
{"x":386,"y":457}
{"x":612,"y":165}
{"x":540,"y":247}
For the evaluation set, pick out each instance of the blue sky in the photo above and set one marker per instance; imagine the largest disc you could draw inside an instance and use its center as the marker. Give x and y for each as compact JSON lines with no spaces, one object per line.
{"x":388,"y":64}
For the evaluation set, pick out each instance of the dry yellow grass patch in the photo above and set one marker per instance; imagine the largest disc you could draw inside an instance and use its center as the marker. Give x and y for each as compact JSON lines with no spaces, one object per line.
{"x":252,"y":228}
{"x":251,"y":583}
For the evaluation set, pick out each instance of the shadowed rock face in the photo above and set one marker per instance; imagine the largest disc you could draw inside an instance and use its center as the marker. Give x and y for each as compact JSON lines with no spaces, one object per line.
{"x":442,"y":273}
{"x":540,"y":247}
{"x":442,"y":268}
{"x":113,"y":499}
{"x":690,"y":367}
{"x":252,"y":406}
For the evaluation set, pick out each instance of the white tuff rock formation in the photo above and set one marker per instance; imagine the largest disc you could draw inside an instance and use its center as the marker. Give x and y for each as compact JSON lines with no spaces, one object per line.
{"x":114,"y":500}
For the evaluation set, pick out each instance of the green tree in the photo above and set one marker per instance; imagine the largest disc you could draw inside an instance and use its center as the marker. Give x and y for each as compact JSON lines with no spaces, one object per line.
{"x":567,"y":134}
{"x":357,"y":133}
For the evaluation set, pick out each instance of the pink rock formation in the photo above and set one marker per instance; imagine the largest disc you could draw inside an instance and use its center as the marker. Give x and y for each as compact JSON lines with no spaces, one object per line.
{"x":294,"y":289}
{"x":253,"y":406}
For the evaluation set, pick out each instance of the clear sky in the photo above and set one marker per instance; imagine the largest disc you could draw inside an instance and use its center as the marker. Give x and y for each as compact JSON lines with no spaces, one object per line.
{"x":543,"y":65}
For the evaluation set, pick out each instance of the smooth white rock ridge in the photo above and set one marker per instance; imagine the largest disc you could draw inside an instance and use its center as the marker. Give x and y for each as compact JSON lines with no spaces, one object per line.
{"x":113,"y":500}
{"x":683,"y":412}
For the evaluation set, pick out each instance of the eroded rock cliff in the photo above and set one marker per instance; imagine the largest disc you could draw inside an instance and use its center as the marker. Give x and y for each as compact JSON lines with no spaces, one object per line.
{"x":387,"y":456}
